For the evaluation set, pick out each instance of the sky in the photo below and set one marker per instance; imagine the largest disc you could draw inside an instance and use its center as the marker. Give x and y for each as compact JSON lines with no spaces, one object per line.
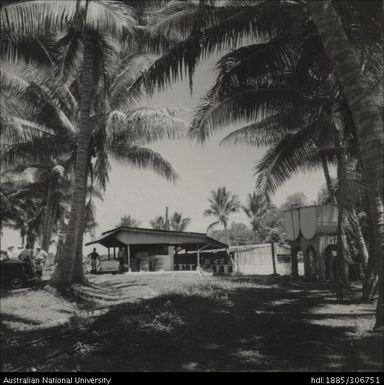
{"x":201,"y":168}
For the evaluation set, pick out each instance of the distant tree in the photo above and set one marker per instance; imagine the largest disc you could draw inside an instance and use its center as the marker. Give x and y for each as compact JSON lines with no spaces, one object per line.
{"x":255,"y":208}
{"x":296,"y":199}
{"x":222,"y":205}
{"x":128,"y":221}
{"x":158,"y":223}
{"x":239,"y":234}
{"x":178,"y":223}
{"x":273,"y":227}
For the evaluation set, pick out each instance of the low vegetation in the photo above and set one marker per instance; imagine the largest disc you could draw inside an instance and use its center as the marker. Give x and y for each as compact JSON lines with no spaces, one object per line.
{"x":219,"y":324}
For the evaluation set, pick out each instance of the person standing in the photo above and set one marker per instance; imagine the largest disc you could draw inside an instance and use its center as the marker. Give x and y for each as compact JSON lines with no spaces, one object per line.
{"x":18,"y":252}
{"x":11,"y":252}
{"x":40,"y":259}
{"x":27,"y":256}
{"x":52,"y":251}
{"x":50,"y":260}
{"x":95,"y":257}
{"x":121,"y":259}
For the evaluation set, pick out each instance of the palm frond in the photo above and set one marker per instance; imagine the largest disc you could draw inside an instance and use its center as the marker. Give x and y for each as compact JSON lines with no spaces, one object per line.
{"x":72,"y":53}
{"x":15,"y":48}
{"x":180,"y":61}
{"x":34,"y":18}
{"x":177,"y":19}
{"x":261,"y":62}
{"x":37,"y":17}
{"x":143,"y":157}
{"x":212,"y":225}
{"x":297,"y":151}
{"x":101,"y":169}
{"x":258,"y":21}
{"x":266,"y":132}
{"x":149,"y":124}
{"x":111,"y":17}
{"x":122,"y":95}
{"x":16,"y":130}
{"x":35,"y":89}
{"x":223,"y":27}
{"x":143,"y":126}
{"x":245,"y":104}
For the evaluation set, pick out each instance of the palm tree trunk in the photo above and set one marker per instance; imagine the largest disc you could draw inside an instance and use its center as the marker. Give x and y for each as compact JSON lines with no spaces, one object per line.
{"x":342,"y":212}
{"x":370,"y":274}
{"x":328,"y":180}
{"x":361,"y":244}
{"x":379,"y":306}
{"x":63,"y":275}
{"x":366,"y":116}
{"x":48,"y":219}
{"x":52,"y":222}
{"x":369,"y":283}
{"x":226,"y":234}
{"x":78,"y":271}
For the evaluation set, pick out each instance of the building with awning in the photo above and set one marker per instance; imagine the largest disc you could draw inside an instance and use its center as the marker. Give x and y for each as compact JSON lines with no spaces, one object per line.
{"x":313,"y":230}
{"x":152,"y":249}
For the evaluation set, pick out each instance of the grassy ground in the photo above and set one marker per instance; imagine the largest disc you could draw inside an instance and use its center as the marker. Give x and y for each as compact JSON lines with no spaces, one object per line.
{"x":193,"y":323}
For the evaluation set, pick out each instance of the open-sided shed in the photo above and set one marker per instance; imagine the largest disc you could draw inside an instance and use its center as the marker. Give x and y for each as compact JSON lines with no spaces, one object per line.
{"x":151,"y":249}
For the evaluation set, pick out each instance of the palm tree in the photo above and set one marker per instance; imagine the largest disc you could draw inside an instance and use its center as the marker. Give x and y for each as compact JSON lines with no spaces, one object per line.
{"x":85,"y":40}
{"x":222,"y":205}
{"x":203,"y":34}
{"x":366,"y":116}
{"x":178,"y":223}
{"x":255,"y":207}
{"x":107,"y":17}
{"x":48,"y":161}
{"x":22,"y":207}
{"x":124,"y":131}
{"x":302,"y":134}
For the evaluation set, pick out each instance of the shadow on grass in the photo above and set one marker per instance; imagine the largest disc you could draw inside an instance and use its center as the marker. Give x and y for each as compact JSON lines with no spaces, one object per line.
{"x":211,"y":327}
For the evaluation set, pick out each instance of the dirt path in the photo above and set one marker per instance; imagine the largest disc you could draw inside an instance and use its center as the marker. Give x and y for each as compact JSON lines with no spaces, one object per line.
{"x":39,"y":308}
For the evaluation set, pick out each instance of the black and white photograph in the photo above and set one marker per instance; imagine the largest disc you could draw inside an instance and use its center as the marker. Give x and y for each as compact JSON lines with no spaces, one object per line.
{"x":191,"y":186}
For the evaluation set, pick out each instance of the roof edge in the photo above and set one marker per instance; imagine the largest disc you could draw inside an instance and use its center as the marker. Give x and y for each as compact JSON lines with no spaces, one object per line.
{"x":152,"y":230}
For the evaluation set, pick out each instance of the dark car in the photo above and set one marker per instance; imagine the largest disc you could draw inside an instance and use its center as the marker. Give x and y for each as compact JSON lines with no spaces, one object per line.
{"x":16,"y":274}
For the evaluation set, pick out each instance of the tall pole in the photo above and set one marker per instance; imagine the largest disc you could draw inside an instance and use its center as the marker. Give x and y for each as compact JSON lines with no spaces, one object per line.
{"x":294,"y":262}
{"x":166,"y":218}
{"x":198,"y":258}
{"x":273,"y":257}
{"x":129,"y":257}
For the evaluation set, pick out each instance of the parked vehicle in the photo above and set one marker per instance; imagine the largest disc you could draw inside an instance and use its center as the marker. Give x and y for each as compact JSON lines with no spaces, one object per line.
{"x":16,"y":274}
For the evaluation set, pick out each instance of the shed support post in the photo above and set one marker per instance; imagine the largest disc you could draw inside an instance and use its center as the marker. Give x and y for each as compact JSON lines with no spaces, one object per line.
{"x":175,"y":258}
{"x":109,"y":253}
{"x":273,"y":257}
{"x":198,"y":258}
{"x":129,"y":257}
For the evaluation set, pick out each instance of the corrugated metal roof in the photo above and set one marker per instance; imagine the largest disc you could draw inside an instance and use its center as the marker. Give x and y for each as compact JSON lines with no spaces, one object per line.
{"x":109,"y":239}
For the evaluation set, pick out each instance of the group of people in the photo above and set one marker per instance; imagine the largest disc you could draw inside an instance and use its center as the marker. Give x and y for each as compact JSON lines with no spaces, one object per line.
{"x":41,"y":261}
{"x":95,"y":260}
